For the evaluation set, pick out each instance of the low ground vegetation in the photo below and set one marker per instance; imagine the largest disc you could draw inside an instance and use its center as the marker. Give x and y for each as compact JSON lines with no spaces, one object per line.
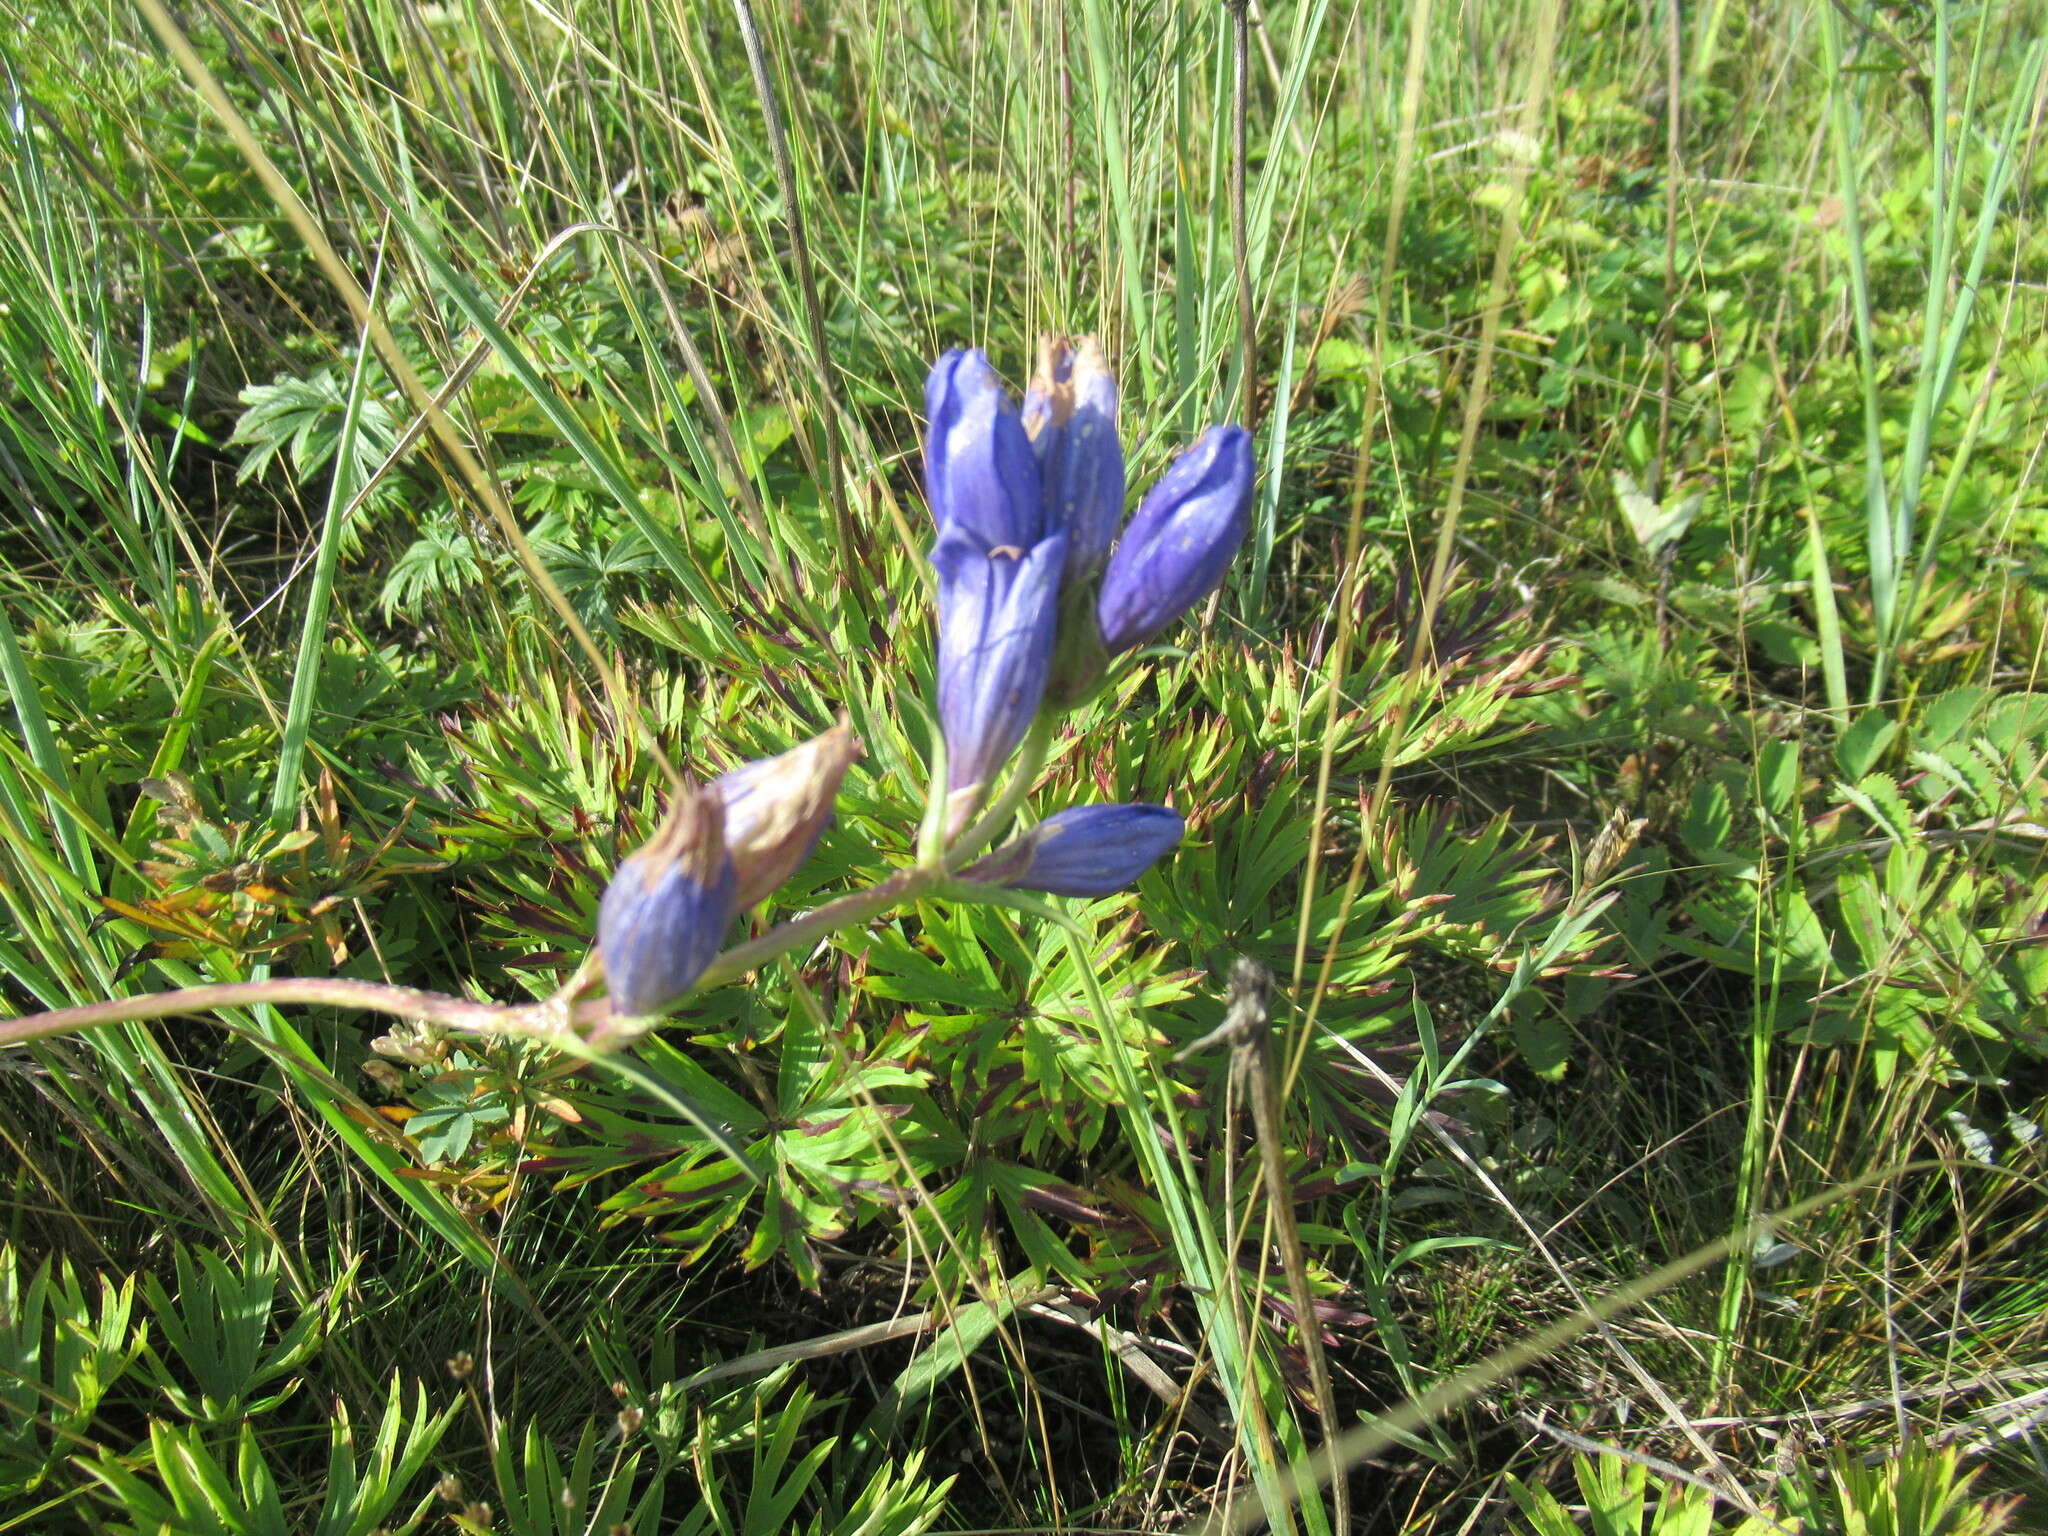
{"x":1621,"y":740}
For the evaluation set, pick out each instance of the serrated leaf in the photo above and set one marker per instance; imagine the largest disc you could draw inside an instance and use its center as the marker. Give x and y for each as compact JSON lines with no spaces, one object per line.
{"x":1877,"y":796}
{"x":1709,"y":819}
{"x":1778,"y":776}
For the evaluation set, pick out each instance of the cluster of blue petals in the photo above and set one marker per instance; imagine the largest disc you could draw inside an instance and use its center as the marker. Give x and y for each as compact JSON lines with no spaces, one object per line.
{"x":1027,"y":503}
{"x":1026,"y":500}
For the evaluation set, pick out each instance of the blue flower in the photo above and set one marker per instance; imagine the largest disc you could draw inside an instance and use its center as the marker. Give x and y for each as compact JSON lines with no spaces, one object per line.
{"x":998,"y":607}
{"x":979,"y":469}
{"x":1070,"y":415}
{"x":666,"y":910}
{"x":1091,"y":850}
{"x":1180,"y":541}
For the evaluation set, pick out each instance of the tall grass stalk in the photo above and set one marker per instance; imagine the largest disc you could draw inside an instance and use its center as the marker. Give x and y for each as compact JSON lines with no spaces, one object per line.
{"x":807,"y":283}
{"x":1535,"y":92}
{"x":1248,"y":1381}
{"x":1892,"y":495}
{"x":286,"y":790}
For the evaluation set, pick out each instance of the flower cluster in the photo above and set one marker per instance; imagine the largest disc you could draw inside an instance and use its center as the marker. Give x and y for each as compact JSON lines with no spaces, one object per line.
{"x":1036,"y":593}
{"x":1027,"y":504}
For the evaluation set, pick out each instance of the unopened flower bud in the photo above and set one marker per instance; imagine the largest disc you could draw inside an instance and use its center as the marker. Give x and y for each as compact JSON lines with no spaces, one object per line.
{"x":667,"y":908}
{"x":1180,"y":540}
{"x":1070,"y":415}
{"x":979,"y":471}
{"x":1090,"y":850}
{"x":997,"y":612}
{"x":777,"y":808}
{"x":999,"y":566}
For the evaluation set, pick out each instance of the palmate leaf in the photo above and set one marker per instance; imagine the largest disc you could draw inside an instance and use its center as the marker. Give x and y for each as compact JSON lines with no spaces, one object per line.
{"x":1475,"y":702}
{"x":1015,"y":1041}
{"x":61,"y":1350}
{"x":181,"y":1485}
{"x":444,"y":561}
{"x":958,"y":976}
{"x":218,"y":1328}
{"x":539,"y":1496}
{"x":819,"y":1149}
{"x":301,"y":417}
{"x":1465,"y":889}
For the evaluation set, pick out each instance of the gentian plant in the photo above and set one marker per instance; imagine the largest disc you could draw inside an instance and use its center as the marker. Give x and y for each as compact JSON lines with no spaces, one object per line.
{"x":1037,"y":597}
{"x":1036,"y":594}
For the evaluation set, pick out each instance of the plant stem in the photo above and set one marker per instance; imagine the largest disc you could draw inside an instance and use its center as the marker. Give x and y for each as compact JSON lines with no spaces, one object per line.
{"x":547,"y":1020}
{"x":1023,"y":776}
{"x":907,"y":885}
{"x":1208,"y":1268}
{"x":538,"y":1019}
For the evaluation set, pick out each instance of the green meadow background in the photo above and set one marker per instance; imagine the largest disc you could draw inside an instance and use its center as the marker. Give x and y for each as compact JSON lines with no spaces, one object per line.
{"x":1622,"y":738}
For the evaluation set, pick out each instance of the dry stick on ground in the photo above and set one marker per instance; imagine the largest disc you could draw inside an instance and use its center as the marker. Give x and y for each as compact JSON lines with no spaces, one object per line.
{"x":1150,"y":1374}
{"x":762,"y":1361}
{"x":1246,"y":1024}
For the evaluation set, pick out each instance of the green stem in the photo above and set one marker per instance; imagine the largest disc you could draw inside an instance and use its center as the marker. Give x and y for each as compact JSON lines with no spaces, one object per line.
{"x":905,"y":886}
{"x":1023,"y":777}
{"x":931,"y":831}
{"x":1194,"y":1236}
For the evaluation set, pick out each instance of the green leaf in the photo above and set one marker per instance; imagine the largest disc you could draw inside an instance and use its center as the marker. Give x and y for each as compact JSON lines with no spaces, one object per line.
{"x":1656,"y":525}
{"x":1709,"y":820}
{"x":1863,"y":743}
{"x":1545,"y":1041}
{"x":1778,"y":776}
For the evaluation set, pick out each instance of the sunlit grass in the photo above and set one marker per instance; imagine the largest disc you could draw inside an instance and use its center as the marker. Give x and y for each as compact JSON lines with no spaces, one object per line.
{"x":1621,"y":890}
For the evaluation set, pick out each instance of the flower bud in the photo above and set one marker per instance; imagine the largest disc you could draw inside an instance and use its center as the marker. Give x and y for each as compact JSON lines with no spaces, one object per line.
{"x":1090,"y":850}
{"x":979,"y":471}
{"x":667,"y":908}
{"x":777,"y":808}
{"x":1180,"y":541}
{"x":1070,"y":416}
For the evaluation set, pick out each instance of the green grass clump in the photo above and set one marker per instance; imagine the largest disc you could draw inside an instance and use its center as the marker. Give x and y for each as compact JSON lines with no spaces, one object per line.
{"x":1623,"y":741}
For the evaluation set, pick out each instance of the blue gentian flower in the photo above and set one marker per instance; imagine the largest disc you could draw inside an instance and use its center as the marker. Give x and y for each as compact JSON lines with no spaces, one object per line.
{"x":979,"y":469}
{"x":998,"y":609}
{"x":1090,"y":850}
{"x":666,"y":910}
{"x":1070,"y":416}
{"x":999,"y":570}
{"x":1180,"y":541}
